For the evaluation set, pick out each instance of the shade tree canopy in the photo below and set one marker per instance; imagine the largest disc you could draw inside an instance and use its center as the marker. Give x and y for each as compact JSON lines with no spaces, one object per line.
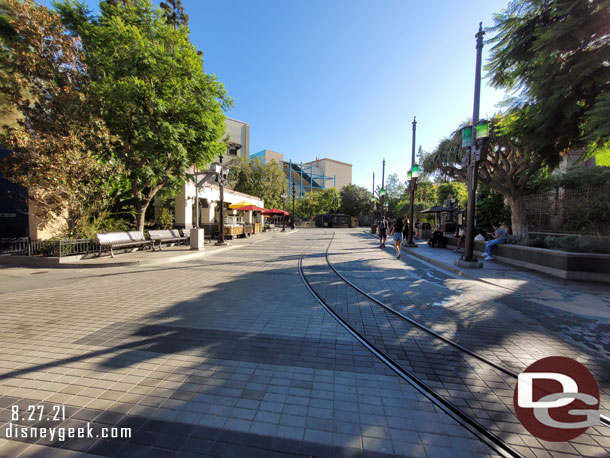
{"x":148,"y":85}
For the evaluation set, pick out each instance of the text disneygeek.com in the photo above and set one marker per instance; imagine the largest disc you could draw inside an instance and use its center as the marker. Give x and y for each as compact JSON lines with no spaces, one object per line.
{"x":13,"y":431}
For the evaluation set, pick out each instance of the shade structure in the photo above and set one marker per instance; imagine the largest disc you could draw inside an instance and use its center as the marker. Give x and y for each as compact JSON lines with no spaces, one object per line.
{"x":275,"y":211}
{"x":439,"y":209}
{"x":253,"y":208}
{"x":239,"y":204}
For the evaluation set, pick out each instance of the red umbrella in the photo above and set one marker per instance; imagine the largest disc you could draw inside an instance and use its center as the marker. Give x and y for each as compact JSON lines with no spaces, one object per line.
{"x":275,"y":211}
{"x":253,"y":208}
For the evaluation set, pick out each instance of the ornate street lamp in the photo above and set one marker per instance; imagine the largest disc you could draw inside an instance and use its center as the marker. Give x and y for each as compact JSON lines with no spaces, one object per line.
{"x":412,"y":175}
{"x":284,"y":196}
{"x":293,"y":197}
{"x":221,"y":177}
{"x":472,"y":158}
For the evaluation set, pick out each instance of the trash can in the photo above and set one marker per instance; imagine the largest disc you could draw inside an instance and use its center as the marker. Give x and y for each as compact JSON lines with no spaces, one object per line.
{"x":425,"y":231}
{"x":373,"y":228}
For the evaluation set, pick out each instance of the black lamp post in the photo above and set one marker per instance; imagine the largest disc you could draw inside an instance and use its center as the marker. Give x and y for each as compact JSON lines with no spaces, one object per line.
{"x":221,"y":182}
{"x":293,"y":197}
{"x":468,"y":260}
{"x":382,"y":190}
{"x":284,"y":209}
{"x":412,"y":175}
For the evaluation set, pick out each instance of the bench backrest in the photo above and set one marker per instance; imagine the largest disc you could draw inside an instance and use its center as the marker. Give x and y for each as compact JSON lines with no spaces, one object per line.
{"x":175,"y":233}
{"x":157,"y":234}
{"x":120,"y":237}
{"x":160,"y":234}
{"x":137,"y":236}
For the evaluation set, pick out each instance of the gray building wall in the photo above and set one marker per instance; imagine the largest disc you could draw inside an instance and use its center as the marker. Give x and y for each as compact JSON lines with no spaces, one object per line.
{"x":239,"y":134}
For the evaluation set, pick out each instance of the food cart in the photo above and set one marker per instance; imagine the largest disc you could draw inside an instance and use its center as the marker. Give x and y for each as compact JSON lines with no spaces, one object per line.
{"x":234,"y":226}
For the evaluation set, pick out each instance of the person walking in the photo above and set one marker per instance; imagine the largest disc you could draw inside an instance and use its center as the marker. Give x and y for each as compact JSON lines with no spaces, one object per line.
{"x":396,"y":234}
{"x":405,"y":232}
{"x":499,"y":236}
{"x":382,"y":226}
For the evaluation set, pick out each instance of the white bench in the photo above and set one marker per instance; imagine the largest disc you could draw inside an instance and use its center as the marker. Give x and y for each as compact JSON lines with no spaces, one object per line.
{"x":122,"y":240}
{"x":166,"y":236}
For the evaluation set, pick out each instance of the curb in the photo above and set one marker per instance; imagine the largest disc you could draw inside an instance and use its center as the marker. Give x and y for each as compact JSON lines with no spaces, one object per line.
{"x":32,"y":262}
{"x":442,"y":265}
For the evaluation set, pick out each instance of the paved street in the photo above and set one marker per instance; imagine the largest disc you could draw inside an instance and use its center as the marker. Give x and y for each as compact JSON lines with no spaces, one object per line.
{"x":230,"y":355}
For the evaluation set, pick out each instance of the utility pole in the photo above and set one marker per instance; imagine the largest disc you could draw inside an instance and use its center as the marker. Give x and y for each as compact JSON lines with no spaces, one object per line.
{"x":414,"y":173}
{"x":382,"y":196}
{"x":468,"y":260}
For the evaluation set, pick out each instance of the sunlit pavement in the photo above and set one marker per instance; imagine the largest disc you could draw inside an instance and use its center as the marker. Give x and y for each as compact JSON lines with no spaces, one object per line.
{"x":232,"y":356}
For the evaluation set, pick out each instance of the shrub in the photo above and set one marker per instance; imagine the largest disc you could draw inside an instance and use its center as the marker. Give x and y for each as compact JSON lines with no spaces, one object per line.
{"x":164,"y":219}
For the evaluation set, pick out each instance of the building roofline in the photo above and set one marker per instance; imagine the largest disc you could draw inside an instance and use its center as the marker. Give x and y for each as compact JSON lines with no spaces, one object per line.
{"x":327,"y":159}
{"x":237,"y":120}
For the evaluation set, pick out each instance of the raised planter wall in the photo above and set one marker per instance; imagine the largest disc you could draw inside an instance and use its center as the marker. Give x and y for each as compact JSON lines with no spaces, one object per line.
{"x":562,"y":264}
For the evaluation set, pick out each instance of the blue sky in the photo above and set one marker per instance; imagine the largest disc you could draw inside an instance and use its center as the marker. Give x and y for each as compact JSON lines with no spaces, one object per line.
{"x":344,"y":78}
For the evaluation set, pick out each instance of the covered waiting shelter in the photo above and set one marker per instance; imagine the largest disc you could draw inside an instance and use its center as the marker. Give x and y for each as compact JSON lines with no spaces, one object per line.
{"x":436,"y":209}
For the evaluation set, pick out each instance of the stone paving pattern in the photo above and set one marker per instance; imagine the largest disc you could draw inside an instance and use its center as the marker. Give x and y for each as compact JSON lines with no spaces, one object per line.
{"x":476,"y":388}
{"x":498,"y":324}
{"x":223,"y":356}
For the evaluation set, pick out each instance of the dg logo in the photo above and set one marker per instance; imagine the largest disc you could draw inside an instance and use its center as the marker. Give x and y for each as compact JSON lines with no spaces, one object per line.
{"x":556,"y":399}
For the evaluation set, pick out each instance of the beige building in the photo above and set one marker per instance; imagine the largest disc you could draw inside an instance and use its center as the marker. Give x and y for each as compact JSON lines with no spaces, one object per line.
{"x":239,"y":140}
{"x":319,"y":174}
{"x":341,"y":171}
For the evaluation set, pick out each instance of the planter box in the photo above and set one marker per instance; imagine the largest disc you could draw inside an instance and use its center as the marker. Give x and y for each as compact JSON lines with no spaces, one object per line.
{"x":562,"y":264}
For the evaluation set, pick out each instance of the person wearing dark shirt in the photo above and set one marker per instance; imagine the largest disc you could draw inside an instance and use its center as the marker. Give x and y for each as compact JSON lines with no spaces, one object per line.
{"x":396,"y":234}
{"x":383,"y":226}
{"x":437,"y":240}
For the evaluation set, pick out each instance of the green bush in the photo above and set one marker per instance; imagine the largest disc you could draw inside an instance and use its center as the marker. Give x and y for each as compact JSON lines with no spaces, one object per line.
{"x":164,"y":219}
{"x":536,"y":242}
{"x":572,"y":243}
{"x":565,"y":243}
{"x":591,"y":244}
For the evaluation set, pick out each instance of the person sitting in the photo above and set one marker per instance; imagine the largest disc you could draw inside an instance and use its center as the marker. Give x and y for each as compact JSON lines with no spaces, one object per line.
{"x":499,"y":236}
{"x":460,"y":233}
{"x":438,"y":240}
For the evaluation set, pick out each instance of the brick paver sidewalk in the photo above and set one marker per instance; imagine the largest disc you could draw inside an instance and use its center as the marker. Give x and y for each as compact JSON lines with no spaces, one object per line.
{"x":223,"y":356}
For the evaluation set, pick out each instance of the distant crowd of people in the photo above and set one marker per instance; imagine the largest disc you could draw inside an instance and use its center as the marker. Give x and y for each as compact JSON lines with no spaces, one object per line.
{"x":398,"y":230}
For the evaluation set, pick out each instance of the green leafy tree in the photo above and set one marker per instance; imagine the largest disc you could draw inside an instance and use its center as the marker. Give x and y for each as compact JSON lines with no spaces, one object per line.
{"x":56,"y":140}
{"x":454,"y":190}
{"x":510,"y":164}
{"x":174,"y":13}
{"x":394,"y":188}
{"x":355,"y":200}
{"x":329,"y":200}
{"x":149,"y":85}
{"x":490,"y":207}
{"x":308,"y":205}
{"x":266,"y":181}
{"x":554,"y":55}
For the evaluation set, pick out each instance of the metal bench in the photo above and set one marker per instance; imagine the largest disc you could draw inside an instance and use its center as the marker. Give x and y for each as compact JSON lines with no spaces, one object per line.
{"x":166,"y":236}
{"x":113,"y":240}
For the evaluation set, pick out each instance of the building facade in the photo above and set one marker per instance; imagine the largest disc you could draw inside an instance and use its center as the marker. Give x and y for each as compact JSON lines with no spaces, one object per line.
{"x":315,"y":175}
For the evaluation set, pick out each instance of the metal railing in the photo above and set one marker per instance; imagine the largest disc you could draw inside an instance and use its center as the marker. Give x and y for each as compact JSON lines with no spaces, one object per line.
{"x":584,"y":210}
{"x":17,"y":245}
{"x":48,"y":248}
